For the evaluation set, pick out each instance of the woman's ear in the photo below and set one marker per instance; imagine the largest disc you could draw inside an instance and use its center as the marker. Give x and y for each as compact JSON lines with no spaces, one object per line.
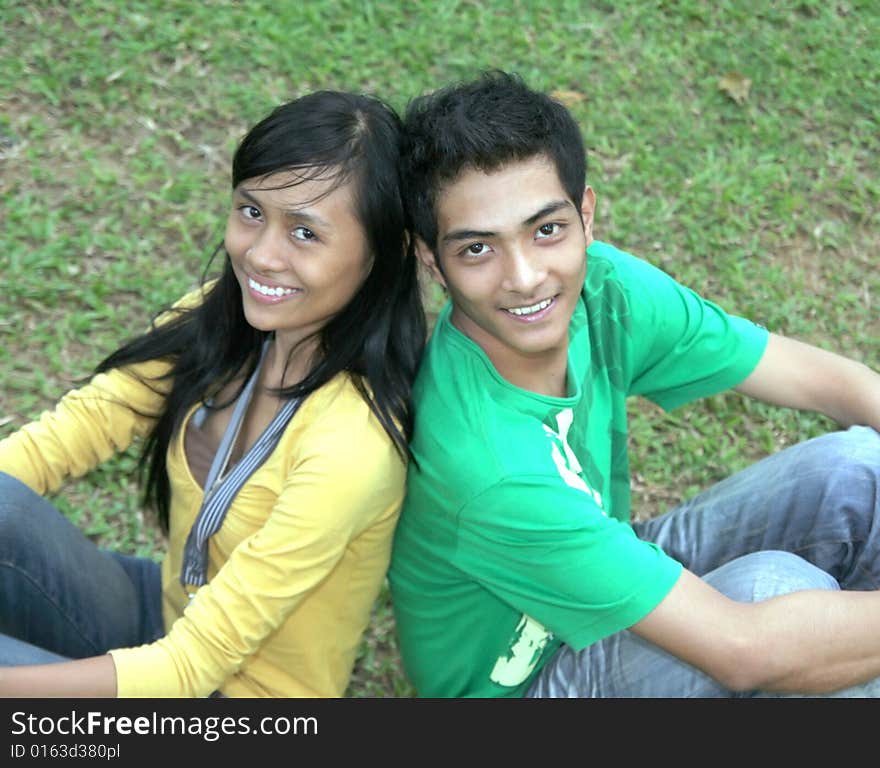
{"x":429,"y":261}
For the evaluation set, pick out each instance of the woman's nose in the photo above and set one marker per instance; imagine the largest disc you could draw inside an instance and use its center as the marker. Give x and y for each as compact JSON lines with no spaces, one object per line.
{"x":266,"y":254}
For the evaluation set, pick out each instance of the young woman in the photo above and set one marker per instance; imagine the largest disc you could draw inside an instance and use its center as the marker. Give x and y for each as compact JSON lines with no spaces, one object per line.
{"x":274,"y":404}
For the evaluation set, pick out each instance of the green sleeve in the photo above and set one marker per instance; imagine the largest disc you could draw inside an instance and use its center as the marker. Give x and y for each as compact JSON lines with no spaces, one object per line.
{"x":550,"y":552}
{"x":684,"y":347}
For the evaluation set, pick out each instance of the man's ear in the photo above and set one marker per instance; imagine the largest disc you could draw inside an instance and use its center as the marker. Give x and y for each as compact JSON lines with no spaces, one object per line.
{"x":588,"y":209}
{"x":429,"y":261}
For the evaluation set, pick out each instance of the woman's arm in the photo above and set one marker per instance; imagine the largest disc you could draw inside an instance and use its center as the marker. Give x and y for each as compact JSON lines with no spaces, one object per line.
{"x":87,"y":426}
{"x":90,"y":424}
{"x":83,"y":678}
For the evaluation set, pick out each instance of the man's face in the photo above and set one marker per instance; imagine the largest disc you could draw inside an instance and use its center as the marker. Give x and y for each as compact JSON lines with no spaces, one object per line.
{"x":511,"y":252}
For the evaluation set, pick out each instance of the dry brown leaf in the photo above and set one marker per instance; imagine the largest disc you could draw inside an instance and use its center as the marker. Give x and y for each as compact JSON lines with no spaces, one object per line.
{"x":736,"y":86}
{"x":568,"y":98}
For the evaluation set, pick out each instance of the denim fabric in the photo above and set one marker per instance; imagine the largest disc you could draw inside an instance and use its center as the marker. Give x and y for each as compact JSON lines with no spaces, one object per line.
{"x":807,"y":517}
{"x":62,"y":597}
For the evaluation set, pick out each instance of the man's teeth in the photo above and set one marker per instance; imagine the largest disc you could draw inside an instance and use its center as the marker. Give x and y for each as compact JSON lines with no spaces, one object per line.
{"x":267,"y":291}
{"x":532,"y":309}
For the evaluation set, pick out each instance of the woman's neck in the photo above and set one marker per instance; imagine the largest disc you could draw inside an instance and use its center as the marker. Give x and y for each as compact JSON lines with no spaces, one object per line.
{"x":288,"y":362}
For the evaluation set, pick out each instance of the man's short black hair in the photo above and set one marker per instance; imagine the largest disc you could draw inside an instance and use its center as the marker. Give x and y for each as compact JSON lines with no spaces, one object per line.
{"x":484,"y":124}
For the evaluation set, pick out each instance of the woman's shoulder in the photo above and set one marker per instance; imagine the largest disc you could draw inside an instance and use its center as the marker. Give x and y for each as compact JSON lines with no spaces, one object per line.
{"x":339,"y":407}
{"x":338,"y":401}
{"x":336,"y":427}
{"x":190,"y":300}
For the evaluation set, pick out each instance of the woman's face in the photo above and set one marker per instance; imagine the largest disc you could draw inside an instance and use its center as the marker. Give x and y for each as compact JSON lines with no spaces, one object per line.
{"x":299,"y":253}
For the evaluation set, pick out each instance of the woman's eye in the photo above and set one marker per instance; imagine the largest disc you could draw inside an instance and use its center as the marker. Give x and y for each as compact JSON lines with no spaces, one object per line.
{"x":250,"y":212}
{"x":304,"y":233}
{"x":548,"y":230}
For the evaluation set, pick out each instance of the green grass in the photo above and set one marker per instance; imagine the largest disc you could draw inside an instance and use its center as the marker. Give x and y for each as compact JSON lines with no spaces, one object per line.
{"x":117,"y":122}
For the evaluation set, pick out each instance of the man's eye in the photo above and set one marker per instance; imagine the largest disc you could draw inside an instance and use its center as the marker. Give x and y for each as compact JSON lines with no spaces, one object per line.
{"x":304,"y":233}
{"x":548,"y":230}
{"x":476,"y":249}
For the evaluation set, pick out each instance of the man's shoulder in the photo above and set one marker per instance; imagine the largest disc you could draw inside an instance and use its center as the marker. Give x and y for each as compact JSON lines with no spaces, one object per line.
{"x":626,"y":293}
{"x":608,"y":263}
{"x":471,"y":434}
{"x":461,"y":440}
{"x":452,"y":375}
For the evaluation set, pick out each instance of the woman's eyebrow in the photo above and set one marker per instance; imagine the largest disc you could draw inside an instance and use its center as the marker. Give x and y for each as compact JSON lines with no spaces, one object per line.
{"x":302,"y":214}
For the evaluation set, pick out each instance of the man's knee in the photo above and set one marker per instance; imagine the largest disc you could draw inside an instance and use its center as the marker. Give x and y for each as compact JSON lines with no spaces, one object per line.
{"x":852,"y":453}
{"x":762,"y":575}
{"x":840,"y":471}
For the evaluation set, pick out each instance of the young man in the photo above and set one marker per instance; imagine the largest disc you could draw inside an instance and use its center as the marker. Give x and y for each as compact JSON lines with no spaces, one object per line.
{"x":516,"y":571}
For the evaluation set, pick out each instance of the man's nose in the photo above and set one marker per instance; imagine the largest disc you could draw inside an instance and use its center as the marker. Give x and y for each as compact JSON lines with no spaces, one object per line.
{"x":525,"y":272}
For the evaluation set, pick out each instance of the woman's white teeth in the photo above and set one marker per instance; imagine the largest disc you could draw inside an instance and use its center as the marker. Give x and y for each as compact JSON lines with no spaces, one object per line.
{"x":532,"y":309}
{"x":267,"y":291}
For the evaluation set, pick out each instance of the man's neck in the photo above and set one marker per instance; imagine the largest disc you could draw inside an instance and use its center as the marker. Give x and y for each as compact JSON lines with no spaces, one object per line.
{"x":542,"y":372}
{"x":543,"y":377}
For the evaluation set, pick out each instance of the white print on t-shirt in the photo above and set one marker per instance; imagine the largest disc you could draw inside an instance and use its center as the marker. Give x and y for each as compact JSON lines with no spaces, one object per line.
{"x":529,"y":640}
{"x":566,"y":462}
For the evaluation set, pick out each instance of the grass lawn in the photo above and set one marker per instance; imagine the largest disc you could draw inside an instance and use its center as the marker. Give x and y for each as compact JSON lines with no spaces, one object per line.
{"x":733,"y":144}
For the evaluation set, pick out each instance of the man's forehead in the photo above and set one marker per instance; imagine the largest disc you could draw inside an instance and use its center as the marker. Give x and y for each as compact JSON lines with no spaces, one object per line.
{"x":501,"y":198}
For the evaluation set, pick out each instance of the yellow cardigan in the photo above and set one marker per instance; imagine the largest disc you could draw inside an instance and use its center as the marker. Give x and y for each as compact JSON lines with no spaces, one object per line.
{"x":293,"y":571}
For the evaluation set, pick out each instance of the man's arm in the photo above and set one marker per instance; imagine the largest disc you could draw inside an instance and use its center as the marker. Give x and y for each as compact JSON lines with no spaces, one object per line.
{"x":809,"y":642}
{"x":797,"y":375}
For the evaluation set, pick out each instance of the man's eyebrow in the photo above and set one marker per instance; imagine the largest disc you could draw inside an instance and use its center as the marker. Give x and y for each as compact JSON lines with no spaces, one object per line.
{"x":300,"y":215}
{"x":556,"y":205}
{"x":466,"y":234}
{"x":475,"y":234}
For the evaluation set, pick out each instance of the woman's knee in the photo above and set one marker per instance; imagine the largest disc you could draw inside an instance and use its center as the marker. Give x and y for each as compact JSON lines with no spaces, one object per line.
{"x":14,"y":494}
{"x":762,"y":575}
{"x":29,"y":523}
{"x":17,"y":503}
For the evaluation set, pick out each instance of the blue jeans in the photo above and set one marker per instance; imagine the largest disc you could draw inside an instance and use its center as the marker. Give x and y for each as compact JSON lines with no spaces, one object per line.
{"x":60,"y":596}
{"x":807,"y":517}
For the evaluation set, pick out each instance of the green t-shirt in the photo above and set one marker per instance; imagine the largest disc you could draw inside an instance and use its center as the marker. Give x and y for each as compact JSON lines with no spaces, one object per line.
{"x":515,"y":534}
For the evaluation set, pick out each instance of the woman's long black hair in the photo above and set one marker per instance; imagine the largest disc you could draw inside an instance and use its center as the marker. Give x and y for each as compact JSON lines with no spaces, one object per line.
{"x":378,"y":337}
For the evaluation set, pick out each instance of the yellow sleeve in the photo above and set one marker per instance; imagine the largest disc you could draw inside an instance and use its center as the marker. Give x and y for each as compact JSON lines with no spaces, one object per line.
{"x":342,"y":475}
{"x":90,"y":424}
{"x":86,"y":427}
